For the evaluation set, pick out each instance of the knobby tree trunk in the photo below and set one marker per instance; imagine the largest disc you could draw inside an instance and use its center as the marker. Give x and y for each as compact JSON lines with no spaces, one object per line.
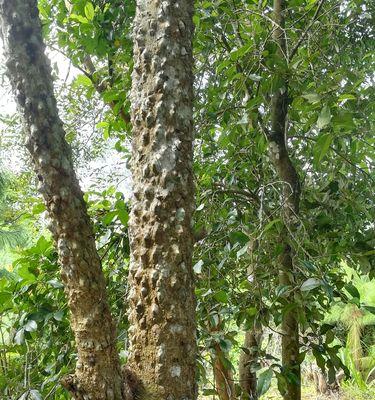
{"x":291,"y":198}
{"x":161,"y":299}
{"x":97,"y":375}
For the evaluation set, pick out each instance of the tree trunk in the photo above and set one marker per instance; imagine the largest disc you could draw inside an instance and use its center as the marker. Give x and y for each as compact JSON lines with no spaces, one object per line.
{"x":97,"y":375}
{"x":224,"y":382}
{"x":291,"y":197}
{"x":161,"y":299}
{"x":248,"y":378}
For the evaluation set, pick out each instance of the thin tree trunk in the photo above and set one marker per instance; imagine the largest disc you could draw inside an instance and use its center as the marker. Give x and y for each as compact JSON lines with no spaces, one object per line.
{"x":248,"y":378}
{"x":291,"y":197}
{"x":97,"y":375}
{"x":224,"y":382}
{"x":161,"y":299}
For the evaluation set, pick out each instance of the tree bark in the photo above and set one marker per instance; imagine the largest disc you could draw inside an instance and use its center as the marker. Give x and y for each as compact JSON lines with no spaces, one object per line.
{"x":248,"y":378}
{"x":224,"y":382}
{"x":161,"y":299}
{"x":97,"y":375}
{"x":291,"y":197}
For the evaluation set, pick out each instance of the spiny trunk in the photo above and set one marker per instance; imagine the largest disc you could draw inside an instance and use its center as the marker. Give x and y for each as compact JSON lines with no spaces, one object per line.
{"x":291,"y":197}
{"x":97,"y":375}
{"x":161,"y":300}
{"x":248,"y":378}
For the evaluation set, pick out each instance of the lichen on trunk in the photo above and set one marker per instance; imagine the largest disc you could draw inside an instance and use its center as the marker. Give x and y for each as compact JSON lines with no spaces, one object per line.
{"x":161,"y":299}
{"x":97,"y":375}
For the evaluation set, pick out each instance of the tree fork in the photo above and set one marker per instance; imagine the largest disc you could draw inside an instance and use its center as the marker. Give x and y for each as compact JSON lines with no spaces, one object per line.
{"x":97,"y":375}
{"x":161,"y":299}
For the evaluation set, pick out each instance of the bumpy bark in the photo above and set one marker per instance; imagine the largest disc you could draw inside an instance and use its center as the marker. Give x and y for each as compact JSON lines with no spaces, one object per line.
{"x":161,"y":300}
{"x":97,"y":375}
{"x":291,"y":197}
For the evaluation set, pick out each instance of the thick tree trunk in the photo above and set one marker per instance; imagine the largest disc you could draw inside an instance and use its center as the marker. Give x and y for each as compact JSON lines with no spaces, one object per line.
{"x":291,"y":197}
{"x":248,"y":378}
{"x":97,"y":375}
{"x":161,"y":300}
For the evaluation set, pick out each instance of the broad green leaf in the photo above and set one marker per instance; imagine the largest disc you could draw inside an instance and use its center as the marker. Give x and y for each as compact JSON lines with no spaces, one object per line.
{"x":242,"y":251}
{"x":24,"y":273}
{"x":264,"y":382}
{"x":324,"y":117}
{"x":58,"y":315}
{"x":30,"y":326}
{"x":221,"y":296}
{"x":19,"y":338}
{"x":38,"y":208}
{"x":310,"y":284}
{"x":312,"y":97}
{"x":198,"y":267}
{"x":79,"y":18}
{"x":89,"y":11}
{"x":82,"y":80}
{"x":322,"y":146}
{"x":109,"y":217}
{"x":352,"y":290}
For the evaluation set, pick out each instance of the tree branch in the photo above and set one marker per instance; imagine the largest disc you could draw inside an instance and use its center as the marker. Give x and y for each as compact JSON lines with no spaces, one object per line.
{"x":309,"y":26}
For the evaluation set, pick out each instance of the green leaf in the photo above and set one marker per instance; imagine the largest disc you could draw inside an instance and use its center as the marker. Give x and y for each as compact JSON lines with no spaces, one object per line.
{"x":122,"y":212}
{"x":38,"y":208}
{"x":310,"y":284}
{"x":200,"y":207}
{"x":371,"y":309}
{"x":221,"y":296}
{"x":89,"y":11}
{"x":58,"y":315}
{"x":82,"y":80}
{"x":271,"y":224}
{"x":35,"y":395}
{"x":322,"y":146}
{"x":242,"y":251}
{"x":209,"y":392}
{"x":198,"y":267}
{"x":24,"y":272}
{"x":55,"y":284}
{"x":312,"y":97}
{"x":264,"y":382}
{"x":30,"y":326}
{"x":352,"y":290}
{"x":346,"y":96}
{"x":79,"y":18}
{"x":19,"y":338}
{"x":324,"y":117}
{"x":255,"y":78}
{"x":109,"y":217}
